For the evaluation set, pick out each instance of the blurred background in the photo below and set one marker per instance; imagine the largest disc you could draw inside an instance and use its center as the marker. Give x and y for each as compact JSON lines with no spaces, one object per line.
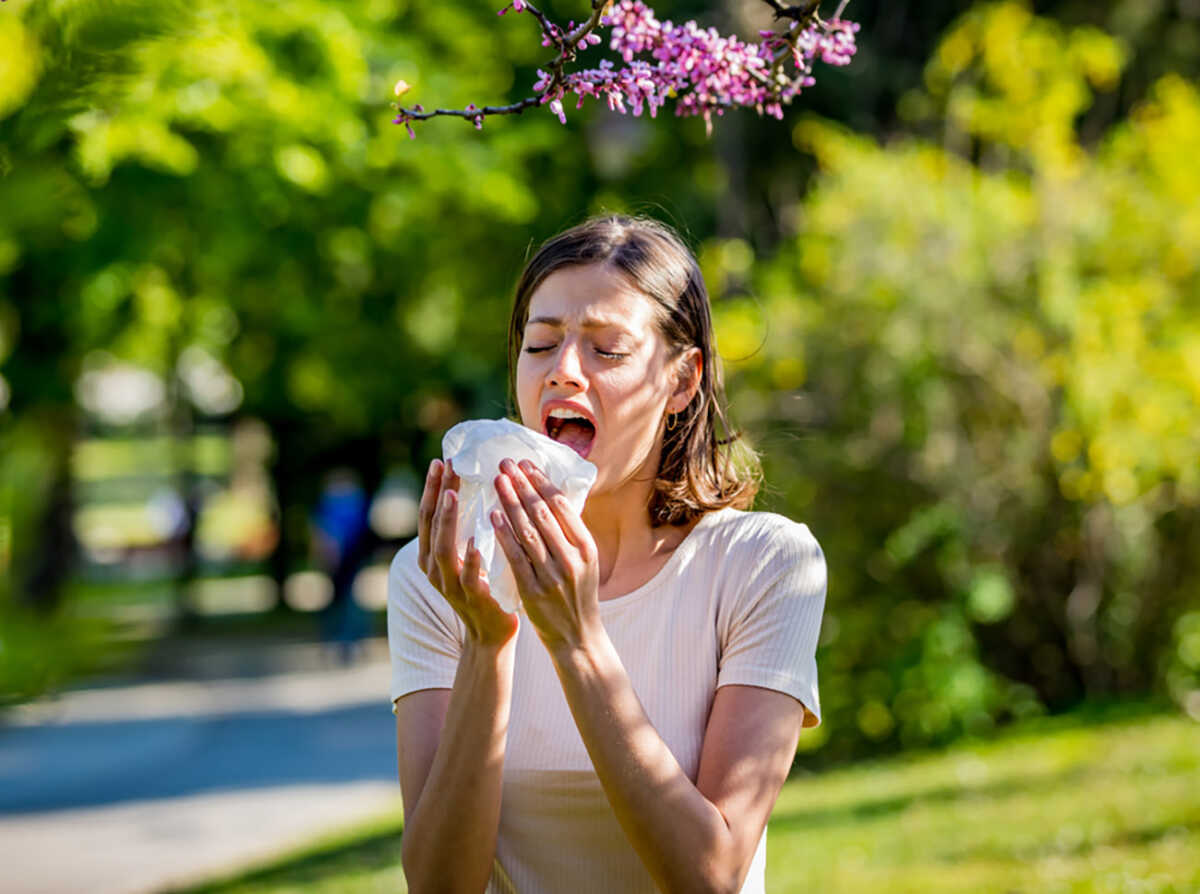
{"x":957,"y":293}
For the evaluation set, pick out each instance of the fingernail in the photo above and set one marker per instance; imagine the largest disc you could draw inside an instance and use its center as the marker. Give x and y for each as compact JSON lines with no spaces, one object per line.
{"x":433,"y":467}
{"x":497,"y":518}
{"x":526,"y":465}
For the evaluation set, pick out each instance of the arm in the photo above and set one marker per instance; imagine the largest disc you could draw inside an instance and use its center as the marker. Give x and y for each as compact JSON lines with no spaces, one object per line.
{"x":697,"y":836}
{"x":691,"y":837}
{"x":450,"y":751}
{"x":450,"y":743}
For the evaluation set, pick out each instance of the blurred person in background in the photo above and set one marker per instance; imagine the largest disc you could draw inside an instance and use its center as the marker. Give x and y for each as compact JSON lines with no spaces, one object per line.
{"x":341,"y":542}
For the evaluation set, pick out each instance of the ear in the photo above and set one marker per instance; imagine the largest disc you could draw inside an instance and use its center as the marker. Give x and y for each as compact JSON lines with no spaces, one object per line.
{"x":689,"y":373}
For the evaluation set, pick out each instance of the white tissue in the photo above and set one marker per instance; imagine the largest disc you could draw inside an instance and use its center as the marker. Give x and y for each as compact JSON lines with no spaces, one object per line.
{"x":475,"y":449}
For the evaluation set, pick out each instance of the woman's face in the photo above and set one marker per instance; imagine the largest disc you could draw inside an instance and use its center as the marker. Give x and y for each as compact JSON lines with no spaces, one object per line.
{"x":592,"y":350}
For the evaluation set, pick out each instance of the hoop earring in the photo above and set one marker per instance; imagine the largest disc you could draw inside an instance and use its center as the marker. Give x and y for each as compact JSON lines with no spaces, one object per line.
{"x":672,"y":421}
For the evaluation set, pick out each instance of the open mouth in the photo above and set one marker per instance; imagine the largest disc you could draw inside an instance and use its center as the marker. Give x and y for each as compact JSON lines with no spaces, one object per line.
{"x":574,"y":431}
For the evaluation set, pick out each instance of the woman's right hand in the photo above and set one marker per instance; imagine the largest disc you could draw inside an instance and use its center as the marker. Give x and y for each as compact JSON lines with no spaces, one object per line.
{"x":459,"y":580}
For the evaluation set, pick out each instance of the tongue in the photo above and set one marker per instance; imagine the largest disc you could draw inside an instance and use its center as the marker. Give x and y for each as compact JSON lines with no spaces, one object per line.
{"x":576,"y":435}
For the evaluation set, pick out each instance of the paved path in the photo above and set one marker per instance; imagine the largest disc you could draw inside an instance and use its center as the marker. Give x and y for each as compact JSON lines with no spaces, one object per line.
{"x":140,"y":787}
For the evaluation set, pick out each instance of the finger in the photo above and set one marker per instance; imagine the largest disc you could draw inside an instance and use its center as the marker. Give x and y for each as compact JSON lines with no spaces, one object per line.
{"x":468,"y":581}
{"x":471,"y":577}
{"x":426,"y":512}
{"x":570,"y":521}
{"x":451,"y":482}
{"x":527,"y":581}
{"x":445,"y":532}
{"x":525,"y":532}
{"x":538,"y":508}
{"x":477,"y":590}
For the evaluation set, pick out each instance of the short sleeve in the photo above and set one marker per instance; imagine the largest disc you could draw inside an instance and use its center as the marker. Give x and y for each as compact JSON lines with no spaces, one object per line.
{"x":425,"y":637}
{"x":769,"y":637}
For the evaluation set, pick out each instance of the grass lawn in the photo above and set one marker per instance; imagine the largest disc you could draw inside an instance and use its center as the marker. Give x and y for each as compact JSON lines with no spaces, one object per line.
{"x":1056,"y":807}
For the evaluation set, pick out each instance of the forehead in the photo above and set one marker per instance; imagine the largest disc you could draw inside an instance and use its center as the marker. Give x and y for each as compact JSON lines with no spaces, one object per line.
{"x":590,"y":297}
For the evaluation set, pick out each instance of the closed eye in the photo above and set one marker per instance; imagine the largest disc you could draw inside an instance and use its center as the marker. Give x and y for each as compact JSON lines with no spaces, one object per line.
{"x":612,"y":355}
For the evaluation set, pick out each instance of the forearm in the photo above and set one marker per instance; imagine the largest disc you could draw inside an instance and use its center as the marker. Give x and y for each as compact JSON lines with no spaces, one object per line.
{"x":449,"y":842}
{"x":682,"y":838}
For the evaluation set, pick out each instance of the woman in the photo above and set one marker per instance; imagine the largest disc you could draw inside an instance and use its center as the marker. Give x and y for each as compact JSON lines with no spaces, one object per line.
{"x":632,"y":731}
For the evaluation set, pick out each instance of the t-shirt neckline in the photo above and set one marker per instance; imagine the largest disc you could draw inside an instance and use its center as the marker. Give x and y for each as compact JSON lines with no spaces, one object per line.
{"x":686,"y":547}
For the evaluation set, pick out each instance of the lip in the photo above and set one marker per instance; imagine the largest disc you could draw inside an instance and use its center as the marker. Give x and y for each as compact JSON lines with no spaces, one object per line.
{"x":566,"y":405}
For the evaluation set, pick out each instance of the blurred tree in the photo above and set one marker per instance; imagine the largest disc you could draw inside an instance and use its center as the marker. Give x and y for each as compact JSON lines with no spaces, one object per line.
{"x":992,"y":347}
{"x":225,"y":179}
{"x":768,"y":176}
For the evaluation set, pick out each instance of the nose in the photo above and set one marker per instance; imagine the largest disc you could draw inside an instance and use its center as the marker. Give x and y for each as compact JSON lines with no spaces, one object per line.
{"x":568,"y":366}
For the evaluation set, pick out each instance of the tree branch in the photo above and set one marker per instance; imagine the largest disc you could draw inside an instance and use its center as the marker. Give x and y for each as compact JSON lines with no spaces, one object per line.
{"x":801,"y":14}
{"x":553,"y":82}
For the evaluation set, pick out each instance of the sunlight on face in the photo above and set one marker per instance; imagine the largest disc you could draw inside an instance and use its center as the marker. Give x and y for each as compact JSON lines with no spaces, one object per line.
{"x":592,"y":342}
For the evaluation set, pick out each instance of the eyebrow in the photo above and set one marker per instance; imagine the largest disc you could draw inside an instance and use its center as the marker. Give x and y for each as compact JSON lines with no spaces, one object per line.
{"x":588,"y":323}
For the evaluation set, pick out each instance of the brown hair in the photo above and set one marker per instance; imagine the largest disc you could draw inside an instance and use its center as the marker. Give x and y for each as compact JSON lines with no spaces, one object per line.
{"x":698,"y":471}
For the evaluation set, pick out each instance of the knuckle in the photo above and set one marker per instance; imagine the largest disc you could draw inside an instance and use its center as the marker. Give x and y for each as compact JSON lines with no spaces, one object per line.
{"x":561,"y":503}
{"x":543,"y":513}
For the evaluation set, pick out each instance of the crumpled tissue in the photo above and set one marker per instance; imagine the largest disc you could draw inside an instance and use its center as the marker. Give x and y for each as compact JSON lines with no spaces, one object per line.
{"x":475,"y":449}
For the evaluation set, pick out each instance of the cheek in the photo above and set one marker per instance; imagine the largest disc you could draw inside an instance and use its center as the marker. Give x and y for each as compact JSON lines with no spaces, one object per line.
{"x":636,"y":399}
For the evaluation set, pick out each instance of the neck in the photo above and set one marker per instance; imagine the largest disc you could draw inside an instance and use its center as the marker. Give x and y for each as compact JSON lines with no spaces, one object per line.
{"x":619,"y":522}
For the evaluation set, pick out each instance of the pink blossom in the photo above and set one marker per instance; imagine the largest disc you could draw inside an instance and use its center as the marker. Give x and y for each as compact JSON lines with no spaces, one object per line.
{"x":407,"y":122}
{"x":703,"y":71}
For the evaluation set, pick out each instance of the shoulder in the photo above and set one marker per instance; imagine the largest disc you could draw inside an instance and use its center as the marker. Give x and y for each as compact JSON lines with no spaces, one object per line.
{"x":404,"y":569}
{"x":769,"y":578}
{"x":413,"y":602}
{"x":762,"y":542}
{"x":407,"y":584}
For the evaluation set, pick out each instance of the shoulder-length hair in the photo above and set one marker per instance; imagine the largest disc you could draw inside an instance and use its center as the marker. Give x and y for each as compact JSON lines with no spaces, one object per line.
{"x":702,"y":467}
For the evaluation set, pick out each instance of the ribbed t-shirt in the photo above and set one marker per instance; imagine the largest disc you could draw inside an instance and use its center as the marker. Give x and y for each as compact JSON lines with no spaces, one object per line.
{"x":738,"y":602}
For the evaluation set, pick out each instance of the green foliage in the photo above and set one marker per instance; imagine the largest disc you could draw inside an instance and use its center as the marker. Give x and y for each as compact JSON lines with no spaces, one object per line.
{"x":40,"y":654}
{"x":987,"y":344}
{"x":227,"y":177}
{"x":1182,"y":660}
{"x":236,"y":182}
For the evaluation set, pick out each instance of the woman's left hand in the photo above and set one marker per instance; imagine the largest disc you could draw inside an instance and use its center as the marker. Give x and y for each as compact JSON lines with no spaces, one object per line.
{"x":552,"y":554}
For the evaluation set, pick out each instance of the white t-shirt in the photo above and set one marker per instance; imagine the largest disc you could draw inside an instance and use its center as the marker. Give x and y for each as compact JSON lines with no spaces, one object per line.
{"x":738,"y":602}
